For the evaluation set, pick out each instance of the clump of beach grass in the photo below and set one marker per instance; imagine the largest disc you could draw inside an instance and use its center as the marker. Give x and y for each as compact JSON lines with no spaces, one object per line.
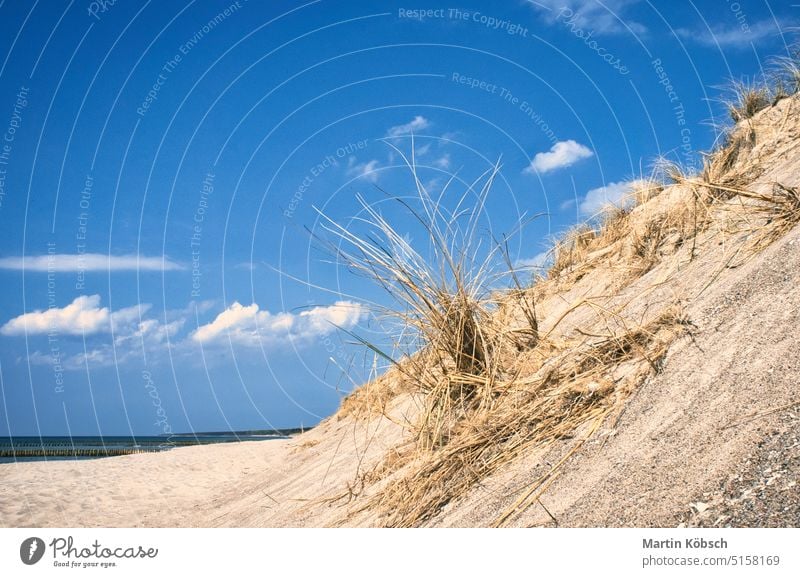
{"x":786,"y":72}
{"x":747,"y":98}
{"x":578,"y":250}
{"x":444,"y":298}
{"x":577,"y":385}
{"x":571,"y":249}
{"x":743,"y":100}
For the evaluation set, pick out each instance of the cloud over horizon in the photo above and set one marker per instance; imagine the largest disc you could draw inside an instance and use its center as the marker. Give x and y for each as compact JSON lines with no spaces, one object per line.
{"x":128,"y":332}
{"x":561,"y":155}
{"x":83,"y":316}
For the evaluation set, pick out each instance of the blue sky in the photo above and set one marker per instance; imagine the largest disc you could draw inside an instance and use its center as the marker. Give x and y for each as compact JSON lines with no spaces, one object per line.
{"x":161,"y":162}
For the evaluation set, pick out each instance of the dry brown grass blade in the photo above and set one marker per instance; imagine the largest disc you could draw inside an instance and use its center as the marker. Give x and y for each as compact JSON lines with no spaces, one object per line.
{"x":754,"y":416}
{"x":536,"y":490}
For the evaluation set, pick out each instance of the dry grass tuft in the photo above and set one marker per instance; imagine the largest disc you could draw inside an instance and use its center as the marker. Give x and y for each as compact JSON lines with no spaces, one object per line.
{"x":670,"y":171}
{"x":643,"y":191}
{"x":747,"y":99}
{"x":766,"y":215}
{"x":743,"y":101}
{"x":581,"y":382}
{"x":443,"y":299}
{"x":571,"y":249}
{"x":787,"y":75}
{"x":372,"y":398}
{"x":719,"y":166}
{"x":645,"y":245}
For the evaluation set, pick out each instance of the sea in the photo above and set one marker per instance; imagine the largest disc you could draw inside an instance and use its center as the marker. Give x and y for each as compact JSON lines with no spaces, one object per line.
{"x":56,"y":448}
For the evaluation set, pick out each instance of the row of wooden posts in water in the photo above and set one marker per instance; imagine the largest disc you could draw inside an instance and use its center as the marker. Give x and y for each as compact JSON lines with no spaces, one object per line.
{"x":75,"y":452}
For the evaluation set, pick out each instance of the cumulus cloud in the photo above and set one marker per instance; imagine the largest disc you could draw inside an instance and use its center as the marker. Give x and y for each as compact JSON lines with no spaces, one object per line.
{"x":735,"y":35}
{"x":127,"y":333}
{"x":562,"y":154}
{"x":602,"y":17}
{"x":123,"y":319}
{"x":82,"y":316}
{"x":613,"y":193}
{"x":249,"y":325}
{"x":418,"y":124}
{"x":101,"y":357}
{"x":366,"y":170}
{"x":130,"y":327}
{"x":88,"y":262}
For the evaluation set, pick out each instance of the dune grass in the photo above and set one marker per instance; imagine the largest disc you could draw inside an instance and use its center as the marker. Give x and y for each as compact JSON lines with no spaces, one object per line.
{"x":747,"y":98}
{"x":491,"y":385}
{"x":442,"y":299}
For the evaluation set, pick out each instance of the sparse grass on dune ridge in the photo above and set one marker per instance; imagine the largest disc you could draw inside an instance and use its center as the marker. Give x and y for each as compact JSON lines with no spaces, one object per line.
{"x":493,"y":378}
{"x":747,"y":99}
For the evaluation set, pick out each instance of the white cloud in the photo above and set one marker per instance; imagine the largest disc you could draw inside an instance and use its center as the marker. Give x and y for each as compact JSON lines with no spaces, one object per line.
{"x":443,"y":161}
{"x":602,"y":17}
{"x":88,"y":262}
{"x":249,"y":325}
{"x":81,"y":316}
{"x":134,"y":333}
{"x":432,"y":185}
{"x":85,"y":316}
{"x":250,"y":266}
{"x":127,"y":317}
{"x":538,"y":261}
{"x":569,"y":203}
{"x":735,"y":36}
{"x":562,"y":154}
{"x":614,"y":193}
{"x":151,"y":332}
{"x":366,"y":170}
{"x":97,"y":357}
{"x":418,"y":124}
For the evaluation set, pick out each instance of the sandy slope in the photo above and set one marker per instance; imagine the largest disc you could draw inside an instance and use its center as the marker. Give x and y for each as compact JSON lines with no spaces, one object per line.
{"x":238,"y":484}
{"x":706,"y":441}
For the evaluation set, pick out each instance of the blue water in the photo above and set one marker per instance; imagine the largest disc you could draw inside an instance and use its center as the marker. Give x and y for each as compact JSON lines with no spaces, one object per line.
{"x":56,"y":448}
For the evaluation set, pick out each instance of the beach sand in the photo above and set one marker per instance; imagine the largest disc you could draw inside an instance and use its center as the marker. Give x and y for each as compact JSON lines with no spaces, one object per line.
{"x":253,"y":483}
